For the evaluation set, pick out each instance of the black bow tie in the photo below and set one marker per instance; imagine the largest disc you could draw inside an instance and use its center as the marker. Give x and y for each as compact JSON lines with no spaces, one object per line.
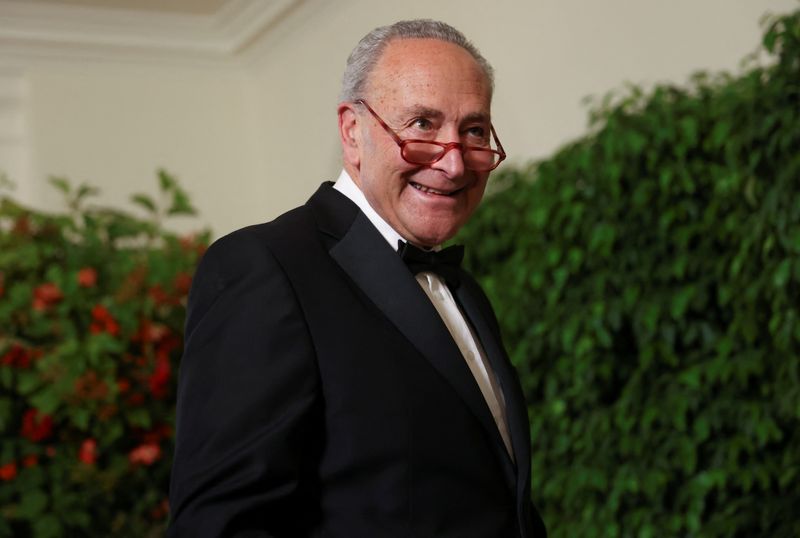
{"x":444,"y":263}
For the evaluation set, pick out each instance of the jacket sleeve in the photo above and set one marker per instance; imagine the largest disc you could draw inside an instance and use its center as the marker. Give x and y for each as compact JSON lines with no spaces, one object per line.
{"x":247,"y":413}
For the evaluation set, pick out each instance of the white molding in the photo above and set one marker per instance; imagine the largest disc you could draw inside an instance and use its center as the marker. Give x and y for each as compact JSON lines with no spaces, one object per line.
{"x":56,"y":31}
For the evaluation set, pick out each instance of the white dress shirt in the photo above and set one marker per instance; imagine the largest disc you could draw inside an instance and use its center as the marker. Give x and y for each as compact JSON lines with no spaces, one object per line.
{"x":448,"y":309}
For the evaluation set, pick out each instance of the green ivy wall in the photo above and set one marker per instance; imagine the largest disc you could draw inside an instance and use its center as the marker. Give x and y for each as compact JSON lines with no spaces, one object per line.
{"x":647,"y":278}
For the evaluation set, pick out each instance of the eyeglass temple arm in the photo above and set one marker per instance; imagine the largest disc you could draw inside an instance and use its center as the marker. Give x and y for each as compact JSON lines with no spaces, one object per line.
{"x":497,"y":141}
{"x":388,"y":129}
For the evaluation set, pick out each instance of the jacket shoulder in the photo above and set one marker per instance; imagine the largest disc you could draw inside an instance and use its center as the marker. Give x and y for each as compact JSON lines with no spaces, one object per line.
{"x":292,"y":223}
{"x":294,"y":226}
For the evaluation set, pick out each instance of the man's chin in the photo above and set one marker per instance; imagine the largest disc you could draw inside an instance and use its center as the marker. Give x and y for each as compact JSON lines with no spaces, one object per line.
{"x":429,"y":238}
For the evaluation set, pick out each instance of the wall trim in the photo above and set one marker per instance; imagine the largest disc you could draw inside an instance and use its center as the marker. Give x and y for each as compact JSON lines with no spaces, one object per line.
{"x":57,"y":31}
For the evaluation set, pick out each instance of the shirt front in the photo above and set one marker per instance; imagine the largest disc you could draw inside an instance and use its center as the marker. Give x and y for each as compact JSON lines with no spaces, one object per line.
{"x":442,"y":299}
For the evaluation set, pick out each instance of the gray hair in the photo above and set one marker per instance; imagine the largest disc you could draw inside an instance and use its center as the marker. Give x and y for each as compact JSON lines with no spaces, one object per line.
{"x":365,"y":56}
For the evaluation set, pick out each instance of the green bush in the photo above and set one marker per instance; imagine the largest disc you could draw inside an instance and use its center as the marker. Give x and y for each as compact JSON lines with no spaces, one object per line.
{"x":91,"y":325}
{"x":647,"y":278}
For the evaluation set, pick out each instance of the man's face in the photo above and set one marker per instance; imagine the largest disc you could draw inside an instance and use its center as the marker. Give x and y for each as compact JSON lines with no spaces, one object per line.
{"x":425,"y":89}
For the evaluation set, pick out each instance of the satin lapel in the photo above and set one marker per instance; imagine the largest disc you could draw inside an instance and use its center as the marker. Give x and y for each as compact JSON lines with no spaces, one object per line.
{"x":516,"y":408}
{"x":380,"y":273}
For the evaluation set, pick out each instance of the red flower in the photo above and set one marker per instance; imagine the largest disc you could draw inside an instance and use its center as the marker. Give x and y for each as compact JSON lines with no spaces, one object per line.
{"x":159,"y":379}
{"x":161,"y":297}
{"x":168,"y":343}
{"x":22,"y":225}
{"x":45,"y":296}
{"x":145,"y":454}
{"x":107,"y":412}
{"x":182,"y":283}
{"x":30,"y":460}
{"x":158,"y":433}
{"x":136,"y":399}
{"x":87,"y":277}
{"x":191,"y":243}
{"x":8,"y":471}
{"x":161,"y":510}
{"x":123,"y":385}
{"x":187,"y":242}
{"x":88,"y":451}
{"x":103,"y":322}
{"x":2,"y":284}
{"x":150,"y":332}
{"x":16,"y":356}
{"x":90,"y":386}
{"x":36,"y":426}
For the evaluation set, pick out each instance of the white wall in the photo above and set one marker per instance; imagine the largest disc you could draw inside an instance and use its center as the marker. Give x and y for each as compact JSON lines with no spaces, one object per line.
{"x":112,"y":127}
{"x":254,"y":139}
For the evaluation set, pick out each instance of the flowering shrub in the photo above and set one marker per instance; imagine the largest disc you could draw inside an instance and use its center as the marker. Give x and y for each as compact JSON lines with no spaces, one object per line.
{"x":91,"y":315}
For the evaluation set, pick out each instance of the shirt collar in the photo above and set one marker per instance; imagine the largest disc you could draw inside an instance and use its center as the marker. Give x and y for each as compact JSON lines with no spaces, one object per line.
{"x":348,"y":187}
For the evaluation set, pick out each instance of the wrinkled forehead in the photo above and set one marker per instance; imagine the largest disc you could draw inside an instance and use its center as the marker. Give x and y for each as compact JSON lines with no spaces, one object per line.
{"x":417,"y":68}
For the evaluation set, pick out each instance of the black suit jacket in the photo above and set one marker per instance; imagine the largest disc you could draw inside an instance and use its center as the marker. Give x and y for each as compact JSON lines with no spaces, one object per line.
{"x":320,"y":394}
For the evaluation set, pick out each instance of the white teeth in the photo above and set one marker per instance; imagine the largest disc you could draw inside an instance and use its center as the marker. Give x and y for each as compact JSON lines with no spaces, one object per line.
{"x":428,"y":189}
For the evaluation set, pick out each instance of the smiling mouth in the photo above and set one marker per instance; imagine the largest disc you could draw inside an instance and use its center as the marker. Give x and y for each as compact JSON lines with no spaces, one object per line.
{"x":428,"y":190}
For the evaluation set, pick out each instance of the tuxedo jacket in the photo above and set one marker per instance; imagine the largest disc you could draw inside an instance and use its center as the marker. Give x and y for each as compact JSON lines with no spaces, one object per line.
{"x":320,"y":394}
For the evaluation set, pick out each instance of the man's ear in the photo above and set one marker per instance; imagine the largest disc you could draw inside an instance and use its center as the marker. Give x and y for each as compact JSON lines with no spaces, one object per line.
{"x":349,"y":134}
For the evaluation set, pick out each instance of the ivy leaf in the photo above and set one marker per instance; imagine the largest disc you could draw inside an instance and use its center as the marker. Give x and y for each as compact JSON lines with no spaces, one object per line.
{"x":166,"y":181}
{"x":32,"y":504}
{"x":80,"y":417}
{"x":85,"y":191}
{"x":180,"y":204}
{"x":61,"y":184}
{"x":139,"y":417}
{"x":47,"y":401}
{"x":144,"y":201}
{"x":47,"y":526}
{"x":27,"y":382}
{"x":782,"y":274}
{"x":770,"y":38}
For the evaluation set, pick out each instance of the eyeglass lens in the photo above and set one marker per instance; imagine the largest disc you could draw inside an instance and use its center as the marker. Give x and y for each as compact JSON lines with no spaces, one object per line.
{"x":424,"y":153}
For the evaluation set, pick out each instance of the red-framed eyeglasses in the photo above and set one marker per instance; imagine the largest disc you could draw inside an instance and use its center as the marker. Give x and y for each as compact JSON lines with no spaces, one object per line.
{"x":427,"y":152}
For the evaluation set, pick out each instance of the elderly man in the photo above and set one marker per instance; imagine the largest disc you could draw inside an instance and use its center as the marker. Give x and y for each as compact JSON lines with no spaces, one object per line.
{"x":343,"y":377}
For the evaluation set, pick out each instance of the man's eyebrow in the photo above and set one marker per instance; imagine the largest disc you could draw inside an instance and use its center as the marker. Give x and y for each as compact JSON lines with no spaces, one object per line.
{"x":475,"y":117}
{"x":423,"y":111}
{"x":427,"y":112}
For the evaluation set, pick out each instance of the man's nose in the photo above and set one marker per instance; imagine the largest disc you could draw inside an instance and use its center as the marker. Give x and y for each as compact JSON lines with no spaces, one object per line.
{"x":452,"y":162}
